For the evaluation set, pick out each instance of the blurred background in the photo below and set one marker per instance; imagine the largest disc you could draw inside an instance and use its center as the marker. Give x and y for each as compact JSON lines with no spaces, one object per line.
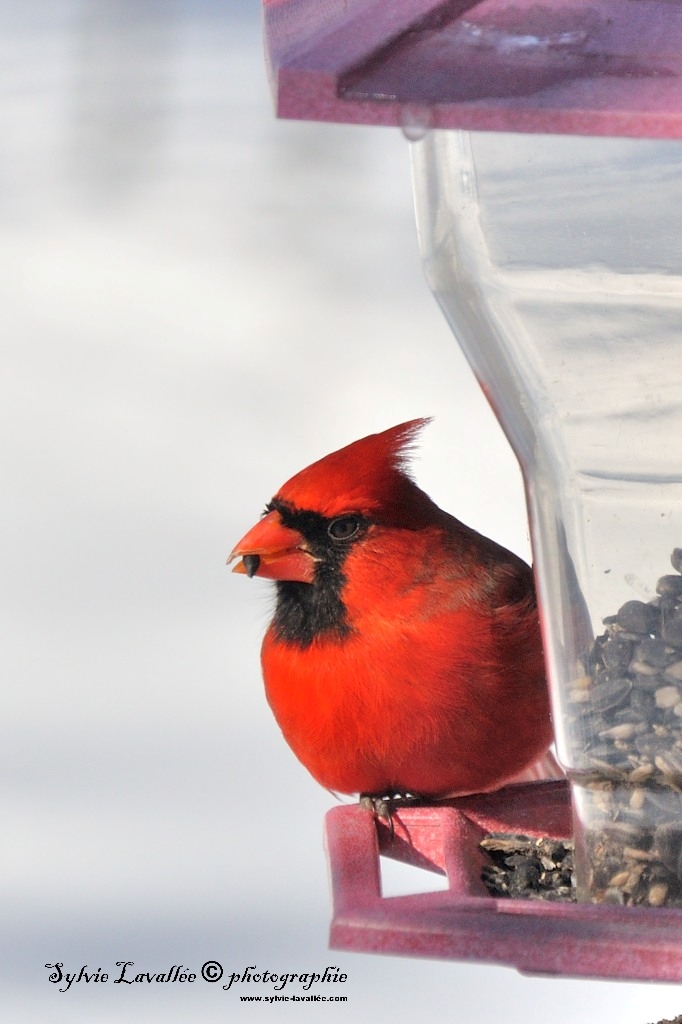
{"x":196,"y":302}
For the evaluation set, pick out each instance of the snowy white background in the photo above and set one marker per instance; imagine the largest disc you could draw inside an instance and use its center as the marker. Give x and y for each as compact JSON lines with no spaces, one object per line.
{"x":196,"y":301}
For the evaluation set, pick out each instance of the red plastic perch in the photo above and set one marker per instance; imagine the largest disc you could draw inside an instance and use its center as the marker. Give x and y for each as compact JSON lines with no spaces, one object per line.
{"x":466,"y":922}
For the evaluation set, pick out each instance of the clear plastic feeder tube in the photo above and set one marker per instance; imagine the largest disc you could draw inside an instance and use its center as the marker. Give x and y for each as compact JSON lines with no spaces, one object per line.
{"x":558,"y":264}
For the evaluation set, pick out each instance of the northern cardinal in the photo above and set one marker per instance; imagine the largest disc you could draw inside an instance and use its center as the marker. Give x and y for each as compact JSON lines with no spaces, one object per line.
{"x":404,"y":655}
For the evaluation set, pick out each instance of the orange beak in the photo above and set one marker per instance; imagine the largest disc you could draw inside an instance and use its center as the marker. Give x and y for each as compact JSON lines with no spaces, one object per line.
{"x":275,"y":552}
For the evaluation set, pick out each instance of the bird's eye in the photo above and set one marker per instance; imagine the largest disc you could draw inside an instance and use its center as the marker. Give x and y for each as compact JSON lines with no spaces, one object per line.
{"x":343,"y":528}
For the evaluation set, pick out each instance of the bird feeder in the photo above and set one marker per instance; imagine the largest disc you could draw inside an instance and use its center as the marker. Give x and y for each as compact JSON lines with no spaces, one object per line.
{"x":547,"y":162}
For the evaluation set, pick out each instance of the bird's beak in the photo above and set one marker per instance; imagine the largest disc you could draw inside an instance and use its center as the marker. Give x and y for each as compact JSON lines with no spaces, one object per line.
{"x":275,"y":552}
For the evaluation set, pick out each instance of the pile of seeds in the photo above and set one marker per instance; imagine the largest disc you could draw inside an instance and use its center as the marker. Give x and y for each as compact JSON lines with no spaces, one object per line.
{"x":628,"y":710}
{"x":528,"y":868}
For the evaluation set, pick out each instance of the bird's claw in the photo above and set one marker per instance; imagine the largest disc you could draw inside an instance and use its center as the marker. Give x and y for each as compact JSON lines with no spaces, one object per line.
{"x":382,"y":807}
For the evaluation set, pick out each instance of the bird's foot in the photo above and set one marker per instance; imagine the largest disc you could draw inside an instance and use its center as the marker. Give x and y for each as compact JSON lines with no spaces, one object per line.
{"x":384,"y":806}
{"x":380,"y":806}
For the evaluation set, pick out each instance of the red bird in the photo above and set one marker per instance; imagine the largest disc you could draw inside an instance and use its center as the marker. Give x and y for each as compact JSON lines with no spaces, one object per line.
{"x":404,"y":655}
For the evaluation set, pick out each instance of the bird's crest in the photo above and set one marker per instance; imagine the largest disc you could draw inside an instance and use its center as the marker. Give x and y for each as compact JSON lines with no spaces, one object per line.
{"x":369,"y":475}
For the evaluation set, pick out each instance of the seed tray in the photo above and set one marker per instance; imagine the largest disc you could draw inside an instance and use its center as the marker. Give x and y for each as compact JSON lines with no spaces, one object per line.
{"x":465,"y":922}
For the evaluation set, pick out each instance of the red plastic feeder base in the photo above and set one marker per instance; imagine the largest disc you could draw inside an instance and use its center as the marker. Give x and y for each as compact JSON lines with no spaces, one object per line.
{"x":466,"y":922}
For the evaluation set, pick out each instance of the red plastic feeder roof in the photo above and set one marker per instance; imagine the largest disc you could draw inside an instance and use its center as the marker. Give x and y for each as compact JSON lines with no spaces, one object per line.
{"x":587,"y":67}
{"x":466,"y":922}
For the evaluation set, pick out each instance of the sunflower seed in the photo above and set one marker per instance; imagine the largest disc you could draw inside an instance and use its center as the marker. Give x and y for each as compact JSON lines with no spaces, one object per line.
{"x":667,"y":697}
